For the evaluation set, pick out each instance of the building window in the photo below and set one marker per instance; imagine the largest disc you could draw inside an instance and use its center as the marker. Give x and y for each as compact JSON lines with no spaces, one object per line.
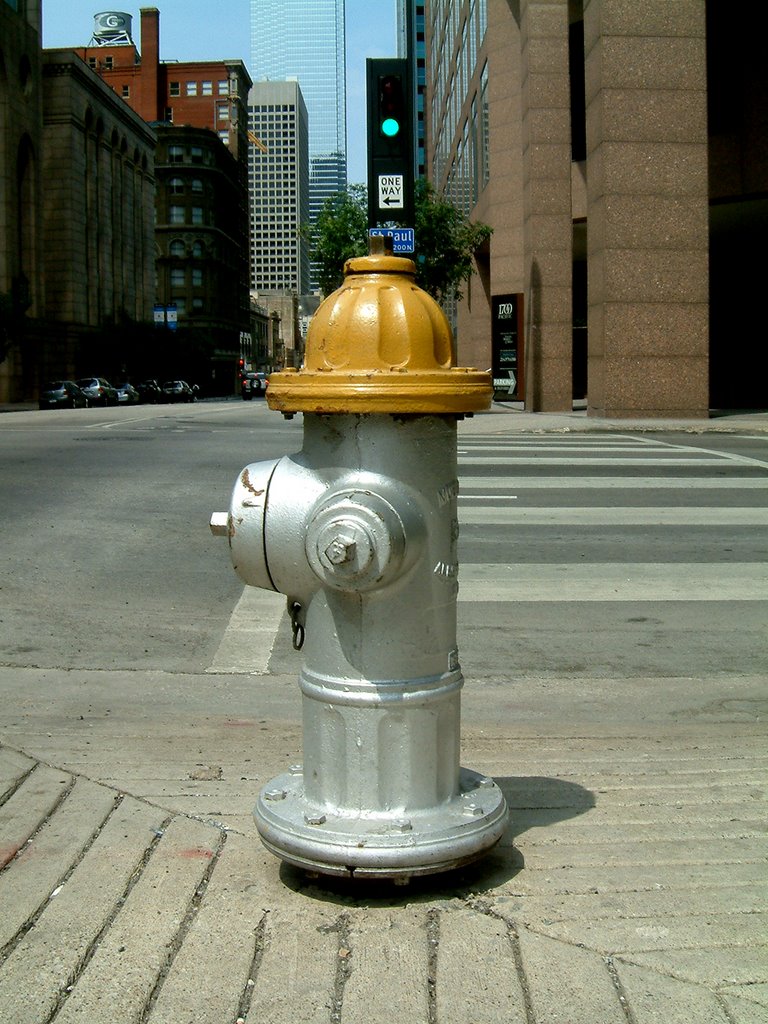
{"x":176,"y":248}
{"x":222,"y":110}
{"x":224,"y":88}
{"x":207,"y":88}
{"x":197,"y":249}
{"x":175,"y":154}
{"x":197,"y":277}
{"x":176,"y":186}
{"x":197,"y":215}
{"x":109,"y":63}
{"x":474,"y":156}
{"x":485,"y":126}
{"x":126,"y":92}
{"x":174,"y":89}
{"x":197,"y":186}
{"x":197,"y":305}
{"x":224,"y":136}
{"x":92,"y":63}
{"x":176,"y":215}
{"x":169,"y":115}
{"x":178,"y":277}
{"x":196,"y":154}
{"x":191,"y":88}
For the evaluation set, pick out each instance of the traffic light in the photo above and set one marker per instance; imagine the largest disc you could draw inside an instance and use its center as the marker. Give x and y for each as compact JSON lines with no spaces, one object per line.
{"x":390,"y":142}
{"x":391,"y":106}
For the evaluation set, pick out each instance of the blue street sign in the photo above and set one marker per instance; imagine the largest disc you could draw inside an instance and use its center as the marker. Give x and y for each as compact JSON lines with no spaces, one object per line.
{"x":403,"y":239}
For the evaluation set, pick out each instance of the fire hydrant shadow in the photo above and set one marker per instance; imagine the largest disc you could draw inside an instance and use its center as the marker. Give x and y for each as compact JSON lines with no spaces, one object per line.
{"x":533,"y":801}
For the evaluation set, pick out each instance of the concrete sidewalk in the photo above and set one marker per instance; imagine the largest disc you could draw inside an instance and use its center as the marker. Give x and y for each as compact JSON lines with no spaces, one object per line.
{"x":629,"y":888}
{"x":512,"y":417}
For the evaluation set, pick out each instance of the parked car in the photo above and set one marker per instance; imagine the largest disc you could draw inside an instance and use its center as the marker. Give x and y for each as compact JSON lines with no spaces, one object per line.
{"x":98,"y":391}
{"x":127,"y":394}
{"x":62,"y":394}
{"x":253,"y":385}
{"x":178,"y":391}
{"x":150,"y":391}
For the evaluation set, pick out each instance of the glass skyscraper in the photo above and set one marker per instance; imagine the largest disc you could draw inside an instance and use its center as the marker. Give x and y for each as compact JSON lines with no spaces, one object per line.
{"x":304,"y":40}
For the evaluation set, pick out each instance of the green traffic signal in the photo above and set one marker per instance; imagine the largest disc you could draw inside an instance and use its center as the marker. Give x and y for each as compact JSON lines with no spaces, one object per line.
{"x":391,"y":105}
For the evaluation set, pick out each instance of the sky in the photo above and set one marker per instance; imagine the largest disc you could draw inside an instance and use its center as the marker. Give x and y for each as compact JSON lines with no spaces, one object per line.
{"x":204,"y":30}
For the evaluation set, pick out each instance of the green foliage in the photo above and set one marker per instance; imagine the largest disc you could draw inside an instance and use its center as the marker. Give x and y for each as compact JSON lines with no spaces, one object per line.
{"x":446,"y":241}
{"x":339,"y":233}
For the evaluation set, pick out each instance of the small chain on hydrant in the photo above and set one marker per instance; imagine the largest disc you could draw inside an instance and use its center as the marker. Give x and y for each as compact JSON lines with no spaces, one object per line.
{"x":296,"y":627}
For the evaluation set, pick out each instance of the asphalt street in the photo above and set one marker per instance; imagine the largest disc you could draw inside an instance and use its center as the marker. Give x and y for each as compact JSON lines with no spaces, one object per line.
{"x":654,"y":543}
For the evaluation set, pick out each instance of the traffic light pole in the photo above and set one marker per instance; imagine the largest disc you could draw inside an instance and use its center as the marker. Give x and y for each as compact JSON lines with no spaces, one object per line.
{"x":390,"y":142}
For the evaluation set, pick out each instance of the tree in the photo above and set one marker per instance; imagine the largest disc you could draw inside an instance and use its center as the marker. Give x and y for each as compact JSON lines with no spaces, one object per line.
{"x":446,"y":243}
{"x":339,"y":233}
{"x":446,"y":240}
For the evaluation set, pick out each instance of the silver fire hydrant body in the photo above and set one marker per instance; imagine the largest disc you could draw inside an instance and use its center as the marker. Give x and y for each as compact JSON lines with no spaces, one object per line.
{"x":359,"y":530}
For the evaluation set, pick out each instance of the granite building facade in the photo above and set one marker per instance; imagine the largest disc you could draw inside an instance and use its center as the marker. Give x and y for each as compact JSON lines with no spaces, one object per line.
{"x":615,"y":149}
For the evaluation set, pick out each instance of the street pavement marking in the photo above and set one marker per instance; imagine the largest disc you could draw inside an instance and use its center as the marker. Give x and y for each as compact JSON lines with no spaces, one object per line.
{"x":611,"y":515}
{"x":614,"y":581}
{"x":568,"y":460}
{"x":643,"y":483}
{"x":250,"y":635}
{"x":516,"y":446}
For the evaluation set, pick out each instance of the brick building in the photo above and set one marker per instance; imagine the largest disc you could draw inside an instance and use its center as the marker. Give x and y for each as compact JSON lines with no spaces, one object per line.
{"x":204,"y":94}
{"x":199,"y":110}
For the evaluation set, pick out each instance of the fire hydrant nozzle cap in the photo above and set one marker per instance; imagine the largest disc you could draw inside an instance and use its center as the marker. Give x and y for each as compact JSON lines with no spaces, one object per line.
{"x":380,"y":344}
{"x":379,"y":264}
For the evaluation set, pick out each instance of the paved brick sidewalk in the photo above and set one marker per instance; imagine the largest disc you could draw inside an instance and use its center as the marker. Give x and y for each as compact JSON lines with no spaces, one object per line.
{"x":629,"y":890}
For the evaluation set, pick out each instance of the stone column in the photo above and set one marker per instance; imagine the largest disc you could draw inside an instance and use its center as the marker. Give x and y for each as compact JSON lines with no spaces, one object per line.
{"x":647,"y":222}
{"x":548,"y":230}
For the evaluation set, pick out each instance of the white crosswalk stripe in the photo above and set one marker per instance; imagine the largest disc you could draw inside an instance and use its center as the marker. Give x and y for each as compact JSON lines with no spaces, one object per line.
{"x":612,"y":581}
{"x":499,"y":485}
{"x":611,"y":515}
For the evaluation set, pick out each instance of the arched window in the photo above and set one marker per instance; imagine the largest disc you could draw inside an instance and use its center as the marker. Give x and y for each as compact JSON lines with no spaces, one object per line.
{"x":26,"y":224}
{"x":176,"y":248}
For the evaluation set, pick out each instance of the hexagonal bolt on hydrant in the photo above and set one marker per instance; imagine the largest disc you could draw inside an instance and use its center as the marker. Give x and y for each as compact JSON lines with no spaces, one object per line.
{"x":359,"y":530}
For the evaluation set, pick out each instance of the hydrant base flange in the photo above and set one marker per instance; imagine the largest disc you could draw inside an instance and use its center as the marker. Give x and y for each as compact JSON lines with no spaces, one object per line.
{"x":384,"y":845}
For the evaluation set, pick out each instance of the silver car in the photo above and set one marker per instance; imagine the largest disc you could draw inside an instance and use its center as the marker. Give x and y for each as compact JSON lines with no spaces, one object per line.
{"x":98,"y":391}
{"x":62,"y":394}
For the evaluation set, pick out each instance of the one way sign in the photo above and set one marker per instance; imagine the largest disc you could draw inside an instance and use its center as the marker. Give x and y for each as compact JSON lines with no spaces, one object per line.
{"x":391,"y":191}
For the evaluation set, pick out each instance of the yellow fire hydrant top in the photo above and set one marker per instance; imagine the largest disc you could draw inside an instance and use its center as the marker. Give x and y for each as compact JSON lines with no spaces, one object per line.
{"x":379,"y":344}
